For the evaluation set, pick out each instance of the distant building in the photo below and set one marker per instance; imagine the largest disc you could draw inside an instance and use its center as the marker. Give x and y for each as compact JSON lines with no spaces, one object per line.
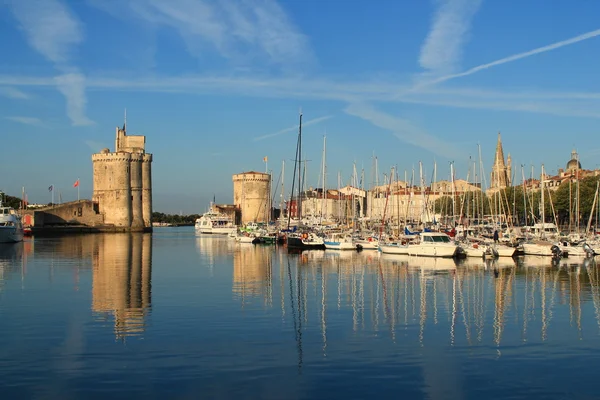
{"x":501,"y":171}
{"x":573,"y":171}
{"x":252,"y":196}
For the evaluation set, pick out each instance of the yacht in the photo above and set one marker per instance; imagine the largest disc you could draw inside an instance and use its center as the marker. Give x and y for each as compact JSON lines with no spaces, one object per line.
{"x":368,"y":243}
{"x":215,"y":223}
{"x":306,"y":240}
{"x":435,"y":244}
{"x":339,"y":241}
{"x":11,"y":227}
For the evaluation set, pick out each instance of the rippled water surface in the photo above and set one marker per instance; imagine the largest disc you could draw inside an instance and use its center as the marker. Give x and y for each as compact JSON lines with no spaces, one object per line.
{"x":178,"y":316}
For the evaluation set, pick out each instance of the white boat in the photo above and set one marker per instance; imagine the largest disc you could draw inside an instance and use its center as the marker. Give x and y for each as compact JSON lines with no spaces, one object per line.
{"x":581,"y":249}
{"x":11,"y":227}
{"x":540,"y":248}
{"x":215,"y":223}
{"x":245,"y":239}
{"x":504,"y":250}
{"x":370,"y":243}
{"x":433,"y":244}
{"x":394,"y":248}
{"x":339,"y":241}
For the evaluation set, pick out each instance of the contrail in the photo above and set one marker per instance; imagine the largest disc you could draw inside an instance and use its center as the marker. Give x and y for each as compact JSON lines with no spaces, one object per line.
{"x":515,"y":57}
{"x":293,"y":128}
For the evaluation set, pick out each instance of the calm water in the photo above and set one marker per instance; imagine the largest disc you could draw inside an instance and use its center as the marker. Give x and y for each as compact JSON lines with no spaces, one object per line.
{"x":172,"y":315}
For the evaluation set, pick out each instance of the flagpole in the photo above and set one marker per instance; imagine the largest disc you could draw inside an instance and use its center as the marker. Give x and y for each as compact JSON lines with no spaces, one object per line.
{"x":52,"y":195}
{"x":78,"y":184}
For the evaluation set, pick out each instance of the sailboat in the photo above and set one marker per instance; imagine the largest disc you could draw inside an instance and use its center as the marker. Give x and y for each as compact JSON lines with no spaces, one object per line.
{"x":541,"y":246}
{"x":300,"y":240}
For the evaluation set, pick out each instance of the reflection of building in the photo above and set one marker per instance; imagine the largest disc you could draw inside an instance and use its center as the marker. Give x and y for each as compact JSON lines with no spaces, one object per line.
{"x":252,"y":272}
{"x":122,"y":267}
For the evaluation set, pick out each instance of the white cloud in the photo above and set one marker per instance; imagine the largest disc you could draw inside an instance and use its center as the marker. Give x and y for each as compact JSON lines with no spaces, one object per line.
{"x":13,"y":93}
{"x":52,"y":30}
{"x":519,"y":56}
{"x":404,"y":130}
{"x":575,"y":104}
{"x":33,"y":121}
{"x":50,"y":27}
{"x":443,"y":47}
{"x":294,"y":128}
{"x":72,"y":86}
{"x":241,"y":31}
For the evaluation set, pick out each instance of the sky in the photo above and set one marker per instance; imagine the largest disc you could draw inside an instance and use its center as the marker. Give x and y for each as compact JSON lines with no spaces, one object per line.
{"x":216,"y":86}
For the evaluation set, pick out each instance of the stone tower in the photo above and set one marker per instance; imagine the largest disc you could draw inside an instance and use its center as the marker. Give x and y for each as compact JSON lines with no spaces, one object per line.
{"x":501,"y":171}
{"x":252,"y":196}
{"x":123,"y":183}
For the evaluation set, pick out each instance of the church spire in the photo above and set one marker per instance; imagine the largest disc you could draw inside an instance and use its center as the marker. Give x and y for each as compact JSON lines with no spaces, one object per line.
{"x":500,"y":174}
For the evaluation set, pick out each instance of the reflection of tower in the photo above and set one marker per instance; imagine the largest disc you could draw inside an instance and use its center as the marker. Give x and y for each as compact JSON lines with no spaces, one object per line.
{"x":501,"y":172}
{"x":122,"y":267}
{"x":252,"y":271}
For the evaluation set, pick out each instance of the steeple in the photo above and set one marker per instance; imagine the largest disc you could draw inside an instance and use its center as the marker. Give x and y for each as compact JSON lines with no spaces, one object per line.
{"x":499,"y":158}
{"x":500,"y":177}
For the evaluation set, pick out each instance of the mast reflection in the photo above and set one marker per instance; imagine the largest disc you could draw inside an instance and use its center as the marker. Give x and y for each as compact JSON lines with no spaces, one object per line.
{"x":473,"y":300}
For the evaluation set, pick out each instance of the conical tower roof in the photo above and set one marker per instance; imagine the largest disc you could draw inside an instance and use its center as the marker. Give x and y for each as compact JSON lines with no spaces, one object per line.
{"x":499,"y":158}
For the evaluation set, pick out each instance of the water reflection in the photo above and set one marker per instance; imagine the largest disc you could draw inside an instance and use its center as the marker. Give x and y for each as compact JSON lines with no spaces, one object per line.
{"x":466,"y":302}
{"x":121,"y":288}
{"x":120,"y":264}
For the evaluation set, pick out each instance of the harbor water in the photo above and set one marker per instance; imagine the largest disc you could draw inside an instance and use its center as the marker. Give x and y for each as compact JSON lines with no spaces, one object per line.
{"x":181,"y":316}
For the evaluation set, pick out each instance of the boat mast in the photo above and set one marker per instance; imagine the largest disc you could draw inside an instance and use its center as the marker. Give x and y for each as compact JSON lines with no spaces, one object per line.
{"x":324,"y":201}
{"x":299,"y":161}
{"x":281,"y":197}
{"x":543,"y":210}
{"x":296,"y":159}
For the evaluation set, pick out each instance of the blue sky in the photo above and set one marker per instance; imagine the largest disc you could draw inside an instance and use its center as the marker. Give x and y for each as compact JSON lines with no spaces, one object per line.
{"x":217,"y":85}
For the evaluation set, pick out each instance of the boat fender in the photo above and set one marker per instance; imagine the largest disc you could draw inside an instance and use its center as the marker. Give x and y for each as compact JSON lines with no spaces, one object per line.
{"x":305,"y":236}
{"x":370,"y":239}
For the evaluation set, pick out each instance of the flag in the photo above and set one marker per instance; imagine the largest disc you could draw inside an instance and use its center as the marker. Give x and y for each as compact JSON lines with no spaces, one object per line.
{"x":51,"y":188}
{"x":265,"y":158}
{"x":76,"y":183}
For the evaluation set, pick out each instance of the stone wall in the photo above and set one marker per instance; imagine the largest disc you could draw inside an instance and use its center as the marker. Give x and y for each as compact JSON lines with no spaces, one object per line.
{"x":82,"y":212}
{"x":251,"y":194}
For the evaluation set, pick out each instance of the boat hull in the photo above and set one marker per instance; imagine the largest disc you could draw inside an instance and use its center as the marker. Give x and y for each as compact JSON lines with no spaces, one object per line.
{"x":216,"y":231}
{"x":298,"y":243}
{"x":339,"y":245}
{"x":443,"y":251}
{"x":394,"y":249}
{"x":368,"y":245}
{"x":11,"y":234}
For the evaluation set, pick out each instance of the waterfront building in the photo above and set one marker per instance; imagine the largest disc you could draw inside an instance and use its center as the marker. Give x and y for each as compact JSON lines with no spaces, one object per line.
{"x":123,"y":183}
{"x":252,"y":196}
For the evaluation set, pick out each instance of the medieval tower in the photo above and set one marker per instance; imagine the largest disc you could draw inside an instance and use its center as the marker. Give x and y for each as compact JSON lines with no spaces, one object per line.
{"x":123,"y":183}
{"x":501,"y":171}
{"x":252,"y":196}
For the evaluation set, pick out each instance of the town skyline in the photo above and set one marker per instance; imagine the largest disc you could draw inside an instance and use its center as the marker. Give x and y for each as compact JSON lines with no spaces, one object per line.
{"x":217,"y":86}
